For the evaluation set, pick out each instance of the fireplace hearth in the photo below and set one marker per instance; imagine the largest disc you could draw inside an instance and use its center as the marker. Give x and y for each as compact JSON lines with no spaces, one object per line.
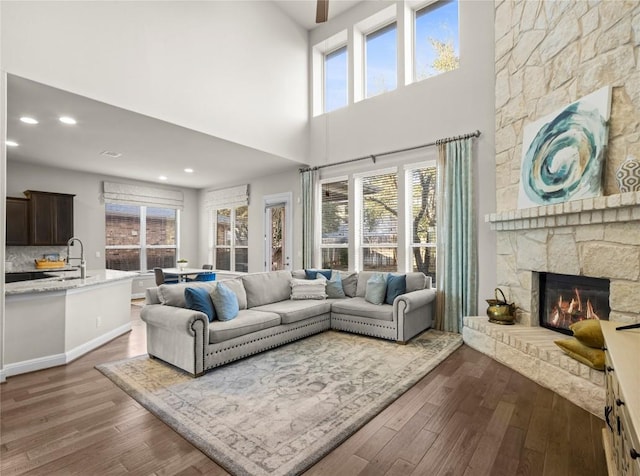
{"x":566,"y":299}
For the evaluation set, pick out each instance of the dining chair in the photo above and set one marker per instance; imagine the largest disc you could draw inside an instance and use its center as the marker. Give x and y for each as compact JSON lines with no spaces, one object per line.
{"x":205,"y":276}
{"x":159,"y":276}
{"x":161,"y":279}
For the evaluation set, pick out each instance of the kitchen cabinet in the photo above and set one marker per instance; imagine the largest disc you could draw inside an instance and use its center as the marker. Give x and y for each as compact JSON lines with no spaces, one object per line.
{"x":17,"y":221}
{"x":51,"y":219}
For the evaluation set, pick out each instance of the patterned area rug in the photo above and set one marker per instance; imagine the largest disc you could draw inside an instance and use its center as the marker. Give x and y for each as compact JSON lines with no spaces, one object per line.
{"x":280,"y":411}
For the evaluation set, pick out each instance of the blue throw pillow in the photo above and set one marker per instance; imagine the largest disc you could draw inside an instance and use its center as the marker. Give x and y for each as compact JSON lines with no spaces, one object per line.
{"x":334,"y":286}
{"x":311,"y":273}
{"x":198,"y":299}
{"x":225,"y":303}
{"x":376,"y":289}
{"x":396,"y":285}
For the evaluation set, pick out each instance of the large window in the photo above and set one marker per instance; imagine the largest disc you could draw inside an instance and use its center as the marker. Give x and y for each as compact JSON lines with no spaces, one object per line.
{"x":379,"y":235}
{"x":335,"y":79}
{"x":436,"y":41}
{"x":334,"y":211}
{"x":139,"y":238}
{"x":422,"y":183}
{"x":231,"y":235}
{"x":381,"y":62}
{"x":392,"y":214}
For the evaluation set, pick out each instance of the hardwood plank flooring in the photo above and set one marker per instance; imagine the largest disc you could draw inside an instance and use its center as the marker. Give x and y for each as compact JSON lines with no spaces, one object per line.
{"x":470,"y":416}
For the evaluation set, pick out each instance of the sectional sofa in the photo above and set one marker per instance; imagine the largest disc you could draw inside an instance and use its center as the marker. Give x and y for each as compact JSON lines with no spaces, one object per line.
{"x":268,"y":317}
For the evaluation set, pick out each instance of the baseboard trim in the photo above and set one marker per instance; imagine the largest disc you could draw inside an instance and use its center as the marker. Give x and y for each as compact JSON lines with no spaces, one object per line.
{"x":87,"y":347}
{"x":55,"y":360}
{"x":32,"y":365}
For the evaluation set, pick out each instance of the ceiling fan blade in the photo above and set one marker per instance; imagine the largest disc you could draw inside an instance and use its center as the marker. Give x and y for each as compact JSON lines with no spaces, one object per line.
{"x":322,"y":11}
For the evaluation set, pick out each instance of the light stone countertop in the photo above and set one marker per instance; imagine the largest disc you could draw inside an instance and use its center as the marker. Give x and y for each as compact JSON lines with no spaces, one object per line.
{"x":67,"y":281}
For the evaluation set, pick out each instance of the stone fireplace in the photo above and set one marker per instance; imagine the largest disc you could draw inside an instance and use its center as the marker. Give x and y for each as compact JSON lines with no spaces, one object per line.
{"x":567,"y":299}
{"x":549,"y":54}
{"x":597,"y":238}
{"x":594,"y":238}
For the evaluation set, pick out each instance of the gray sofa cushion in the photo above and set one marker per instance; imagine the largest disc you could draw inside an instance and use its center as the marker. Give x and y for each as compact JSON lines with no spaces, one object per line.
{"x":416,"y":281}
{"x":294,"y":311}
{"x":237,"y":287}
{"x":357,"y":306}
{"x":361,"y":287}
{"x":298,"y":274}
{"x":265,"y":288}
{"x":246,"y":322}
{"x":349,"y":282}
{"x":173,"y":294}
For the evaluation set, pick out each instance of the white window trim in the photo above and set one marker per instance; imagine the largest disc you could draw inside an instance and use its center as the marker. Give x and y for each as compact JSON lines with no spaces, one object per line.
{"x":408,"y":168}
{"x":142,"y":246}
{"x":232,"y":247}
{"x":363,"y":28}
{"x":318,"y":53}
{"x":317,"y":225}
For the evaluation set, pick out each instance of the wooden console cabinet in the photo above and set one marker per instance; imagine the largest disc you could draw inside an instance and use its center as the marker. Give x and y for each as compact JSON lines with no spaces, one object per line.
{"x":621,"y":435}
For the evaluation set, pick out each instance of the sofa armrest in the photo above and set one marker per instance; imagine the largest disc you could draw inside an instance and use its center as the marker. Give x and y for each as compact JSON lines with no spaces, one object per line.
{"x":176,"y":319}
{"x":414,"y":300}
{"x":414,"y":313}
{"x":177,"y":335}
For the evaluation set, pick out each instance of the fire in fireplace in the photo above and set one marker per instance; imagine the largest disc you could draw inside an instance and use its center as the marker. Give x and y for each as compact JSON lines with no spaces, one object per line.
{"x":565,"y":299}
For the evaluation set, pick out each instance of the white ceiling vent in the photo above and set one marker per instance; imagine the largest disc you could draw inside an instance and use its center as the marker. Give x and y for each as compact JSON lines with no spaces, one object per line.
{"x":110,"y":153}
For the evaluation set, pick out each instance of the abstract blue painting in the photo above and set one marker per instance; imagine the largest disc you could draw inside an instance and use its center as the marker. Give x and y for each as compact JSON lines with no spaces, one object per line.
{"x":563,"y":153}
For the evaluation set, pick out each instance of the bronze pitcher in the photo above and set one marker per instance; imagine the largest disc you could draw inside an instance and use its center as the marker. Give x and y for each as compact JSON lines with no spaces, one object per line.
{"x":500,"y":311}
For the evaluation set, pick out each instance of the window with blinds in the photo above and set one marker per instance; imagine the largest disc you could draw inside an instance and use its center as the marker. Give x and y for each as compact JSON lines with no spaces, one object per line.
{"x":335,"y":224}
{"x":231,"y":243}
{"x":379,"y":229}
{"x":161,"y":232}
{"x":422,"y":183}
{"x":139,"y":238}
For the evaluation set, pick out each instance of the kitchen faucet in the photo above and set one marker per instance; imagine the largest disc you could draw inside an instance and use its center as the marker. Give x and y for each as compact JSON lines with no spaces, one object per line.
{"x":83,"y":263}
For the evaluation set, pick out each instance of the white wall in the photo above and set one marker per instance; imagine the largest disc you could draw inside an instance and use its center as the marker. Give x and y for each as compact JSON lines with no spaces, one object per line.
{"x":450,"y":104}
{"x":235,"y":70}
{"x":88,"y":206}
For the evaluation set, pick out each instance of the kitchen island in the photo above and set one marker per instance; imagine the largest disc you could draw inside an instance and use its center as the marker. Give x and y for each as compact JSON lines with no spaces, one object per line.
{"x":52,"y":321}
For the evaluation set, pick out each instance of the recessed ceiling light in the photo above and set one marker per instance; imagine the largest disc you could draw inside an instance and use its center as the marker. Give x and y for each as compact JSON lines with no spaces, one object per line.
{"x":28,"y":120}
{"x":111,"y":154}
{"x":162,"y":177}
{"x":188,"y":170}
{"x":11,"y":143}
{"x":67,"y":120}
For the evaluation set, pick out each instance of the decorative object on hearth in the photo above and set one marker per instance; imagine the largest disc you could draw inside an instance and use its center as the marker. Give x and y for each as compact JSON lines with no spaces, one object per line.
{"x":500,"y":311}
{"x":628,"y":175}
{"x":278,"y":412}
{"x":563,"y":152}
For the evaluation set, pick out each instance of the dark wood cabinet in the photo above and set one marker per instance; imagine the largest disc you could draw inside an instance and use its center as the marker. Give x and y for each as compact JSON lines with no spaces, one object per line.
{"x":51,"y":217}
{"x":17,"y":221}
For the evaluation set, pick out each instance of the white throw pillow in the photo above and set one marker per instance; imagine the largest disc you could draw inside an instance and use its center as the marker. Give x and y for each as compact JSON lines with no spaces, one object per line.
{"x":308,"y":289}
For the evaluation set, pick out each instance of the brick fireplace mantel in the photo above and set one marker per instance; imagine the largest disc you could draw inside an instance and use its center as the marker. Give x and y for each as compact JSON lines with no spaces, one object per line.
{"x":622,"y":207}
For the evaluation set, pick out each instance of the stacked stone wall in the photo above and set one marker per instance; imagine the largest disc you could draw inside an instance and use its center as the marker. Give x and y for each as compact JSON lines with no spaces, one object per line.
{"x":551,"y":53}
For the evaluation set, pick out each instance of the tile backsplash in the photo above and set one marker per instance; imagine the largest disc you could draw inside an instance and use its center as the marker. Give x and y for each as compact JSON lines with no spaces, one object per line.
{"x":22,"y":257}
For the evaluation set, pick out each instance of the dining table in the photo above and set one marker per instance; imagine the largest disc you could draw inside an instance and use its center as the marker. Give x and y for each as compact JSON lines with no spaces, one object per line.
{"x":182,"y":273}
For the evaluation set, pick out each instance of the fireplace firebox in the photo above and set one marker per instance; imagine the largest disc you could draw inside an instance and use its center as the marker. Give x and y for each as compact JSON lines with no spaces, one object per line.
{"x":565,"y":299}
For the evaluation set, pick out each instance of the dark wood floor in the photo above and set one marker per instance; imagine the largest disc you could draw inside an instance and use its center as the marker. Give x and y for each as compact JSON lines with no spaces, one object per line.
{"x":470,"y":416}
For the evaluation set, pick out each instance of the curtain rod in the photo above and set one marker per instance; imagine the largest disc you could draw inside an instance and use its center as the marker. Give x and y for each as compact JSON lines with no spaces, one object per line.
{"x":397,"y":151}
